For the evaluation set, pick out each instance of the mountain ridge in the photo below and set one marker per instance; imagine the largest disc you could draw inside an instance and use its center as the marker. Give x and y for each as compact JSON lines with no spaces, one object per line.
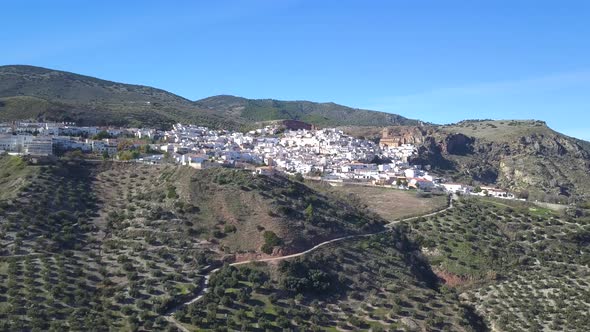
{"x":42,"y":93}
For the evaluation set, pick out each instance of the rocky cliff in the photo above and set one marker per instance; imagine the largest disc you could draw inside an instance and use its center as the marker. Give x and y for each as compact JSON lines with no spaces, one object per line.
{"x":524,"y":156}
{"x":395,"y":136}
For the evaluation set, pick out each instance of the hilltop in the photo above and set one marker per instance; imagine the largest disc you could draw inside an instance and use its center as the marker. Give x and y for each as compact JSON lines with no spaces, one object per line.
{"x":526,"y":155}
{"x":34,"y":92}
{"x":40,"y":93}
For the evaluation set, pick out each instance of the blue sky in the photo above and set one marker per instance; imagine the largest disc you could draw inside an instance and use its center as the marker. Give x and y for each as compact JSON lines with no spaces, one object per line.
{"x":439,"y":61}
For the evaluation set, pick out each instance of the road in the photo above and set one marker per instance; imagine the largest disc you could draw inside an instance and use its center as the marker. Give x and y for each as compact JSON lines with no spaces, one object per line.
{"x":170,"y":316}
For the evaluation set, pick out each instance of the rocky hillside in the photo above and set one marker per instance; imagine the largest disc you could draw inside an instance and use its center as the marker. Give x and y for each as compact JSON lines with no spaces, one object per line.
{"x":525,"y":156}
{"x":39,"y":93}
{"x":244,"y":207}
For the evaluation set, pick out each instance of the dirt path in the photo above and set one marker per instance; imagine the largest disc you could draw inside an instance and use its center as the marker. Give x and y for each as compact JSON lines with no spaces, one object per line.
{"x":172,"y":320}
{"x":170,"y":315}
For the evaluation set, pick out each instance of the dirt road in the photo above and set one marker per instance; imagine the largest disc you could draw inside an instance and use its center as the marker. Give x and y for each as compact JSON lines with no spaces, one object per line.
{"x":170,"y":316}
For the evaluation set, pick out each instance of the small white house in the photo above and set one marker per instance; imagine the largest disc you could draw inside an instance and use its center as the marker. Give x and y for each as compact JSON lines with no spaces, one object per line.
{"x":498,"y":193}
{"x":453,"y":187}
{"x":410,"y":173}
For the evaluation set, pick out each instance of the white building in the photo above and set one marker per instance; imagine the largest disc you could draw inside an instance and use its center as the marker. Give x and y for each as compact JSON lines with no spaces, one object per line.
{"x":26,"y":145}
{"x":71,"y":143}
{"x":455,"y":187}
{"x":498,"y":193}
{"x":39,"y":146}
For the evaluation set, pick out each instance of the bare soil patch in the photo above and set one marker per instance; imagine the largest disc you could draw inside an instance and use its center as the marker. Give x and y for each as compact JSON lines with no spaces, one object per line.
{"x":392,"y":204}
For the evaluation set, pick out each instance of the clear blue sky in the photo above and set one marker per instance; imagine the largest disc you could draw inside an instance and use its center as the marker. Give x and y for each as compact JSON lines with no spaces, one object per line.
{"x":439,"y":61}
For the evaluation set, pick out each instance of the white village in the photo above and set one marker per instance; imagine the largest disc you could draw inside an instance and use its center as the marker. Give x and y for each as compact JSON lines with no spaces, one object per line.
{"x":326,"y":154}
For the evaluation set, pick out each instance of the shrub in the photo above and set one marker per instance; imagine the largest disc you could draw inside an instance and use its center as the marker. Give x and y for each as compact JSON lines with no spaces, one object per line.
{"x":230,"y":229}
{"x":271,"y":240}
{"x":171,"y":193}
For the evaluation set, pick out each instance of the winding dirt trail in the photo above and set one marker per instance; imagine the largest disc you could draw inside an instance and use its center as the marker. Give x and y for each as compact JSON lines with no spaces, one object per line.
{"x":170,"y":315}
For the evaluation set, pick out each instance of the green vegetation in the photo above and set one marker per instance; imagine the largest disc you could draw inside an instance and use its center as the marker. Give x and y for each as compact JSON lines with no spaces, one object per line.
{"x":504,"y":264}
{"x":499,"y":130}
{"x":481,"y":237}
{"x":49,"y":285}
{"x":364,"y":284}
{"x":88,"y":245}
{"x":321,"y":114}
{"x":101,"y":135}
{"x":513,"y":262}
{"x":14,"y":176}
{"x":271,"y":240}
{"x":120,"y":245}
{"x":28,"y":92}
{"x":128,"y":155}
{"x":309,"y":213}
{"x":26,"y":107}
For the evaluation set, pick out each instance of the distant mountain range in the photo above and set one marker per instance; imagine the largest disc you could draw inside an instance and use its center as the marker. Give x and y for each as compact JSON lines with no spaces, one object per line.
{"x":28,"y":92}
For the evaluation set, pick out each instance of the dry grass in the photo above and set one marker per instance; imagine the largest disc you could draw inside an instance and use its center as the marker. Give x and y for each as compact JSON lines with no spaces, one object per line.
{"x":14,"y":176}
{"x":392,"y":204}
{"x":500,"y":130}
